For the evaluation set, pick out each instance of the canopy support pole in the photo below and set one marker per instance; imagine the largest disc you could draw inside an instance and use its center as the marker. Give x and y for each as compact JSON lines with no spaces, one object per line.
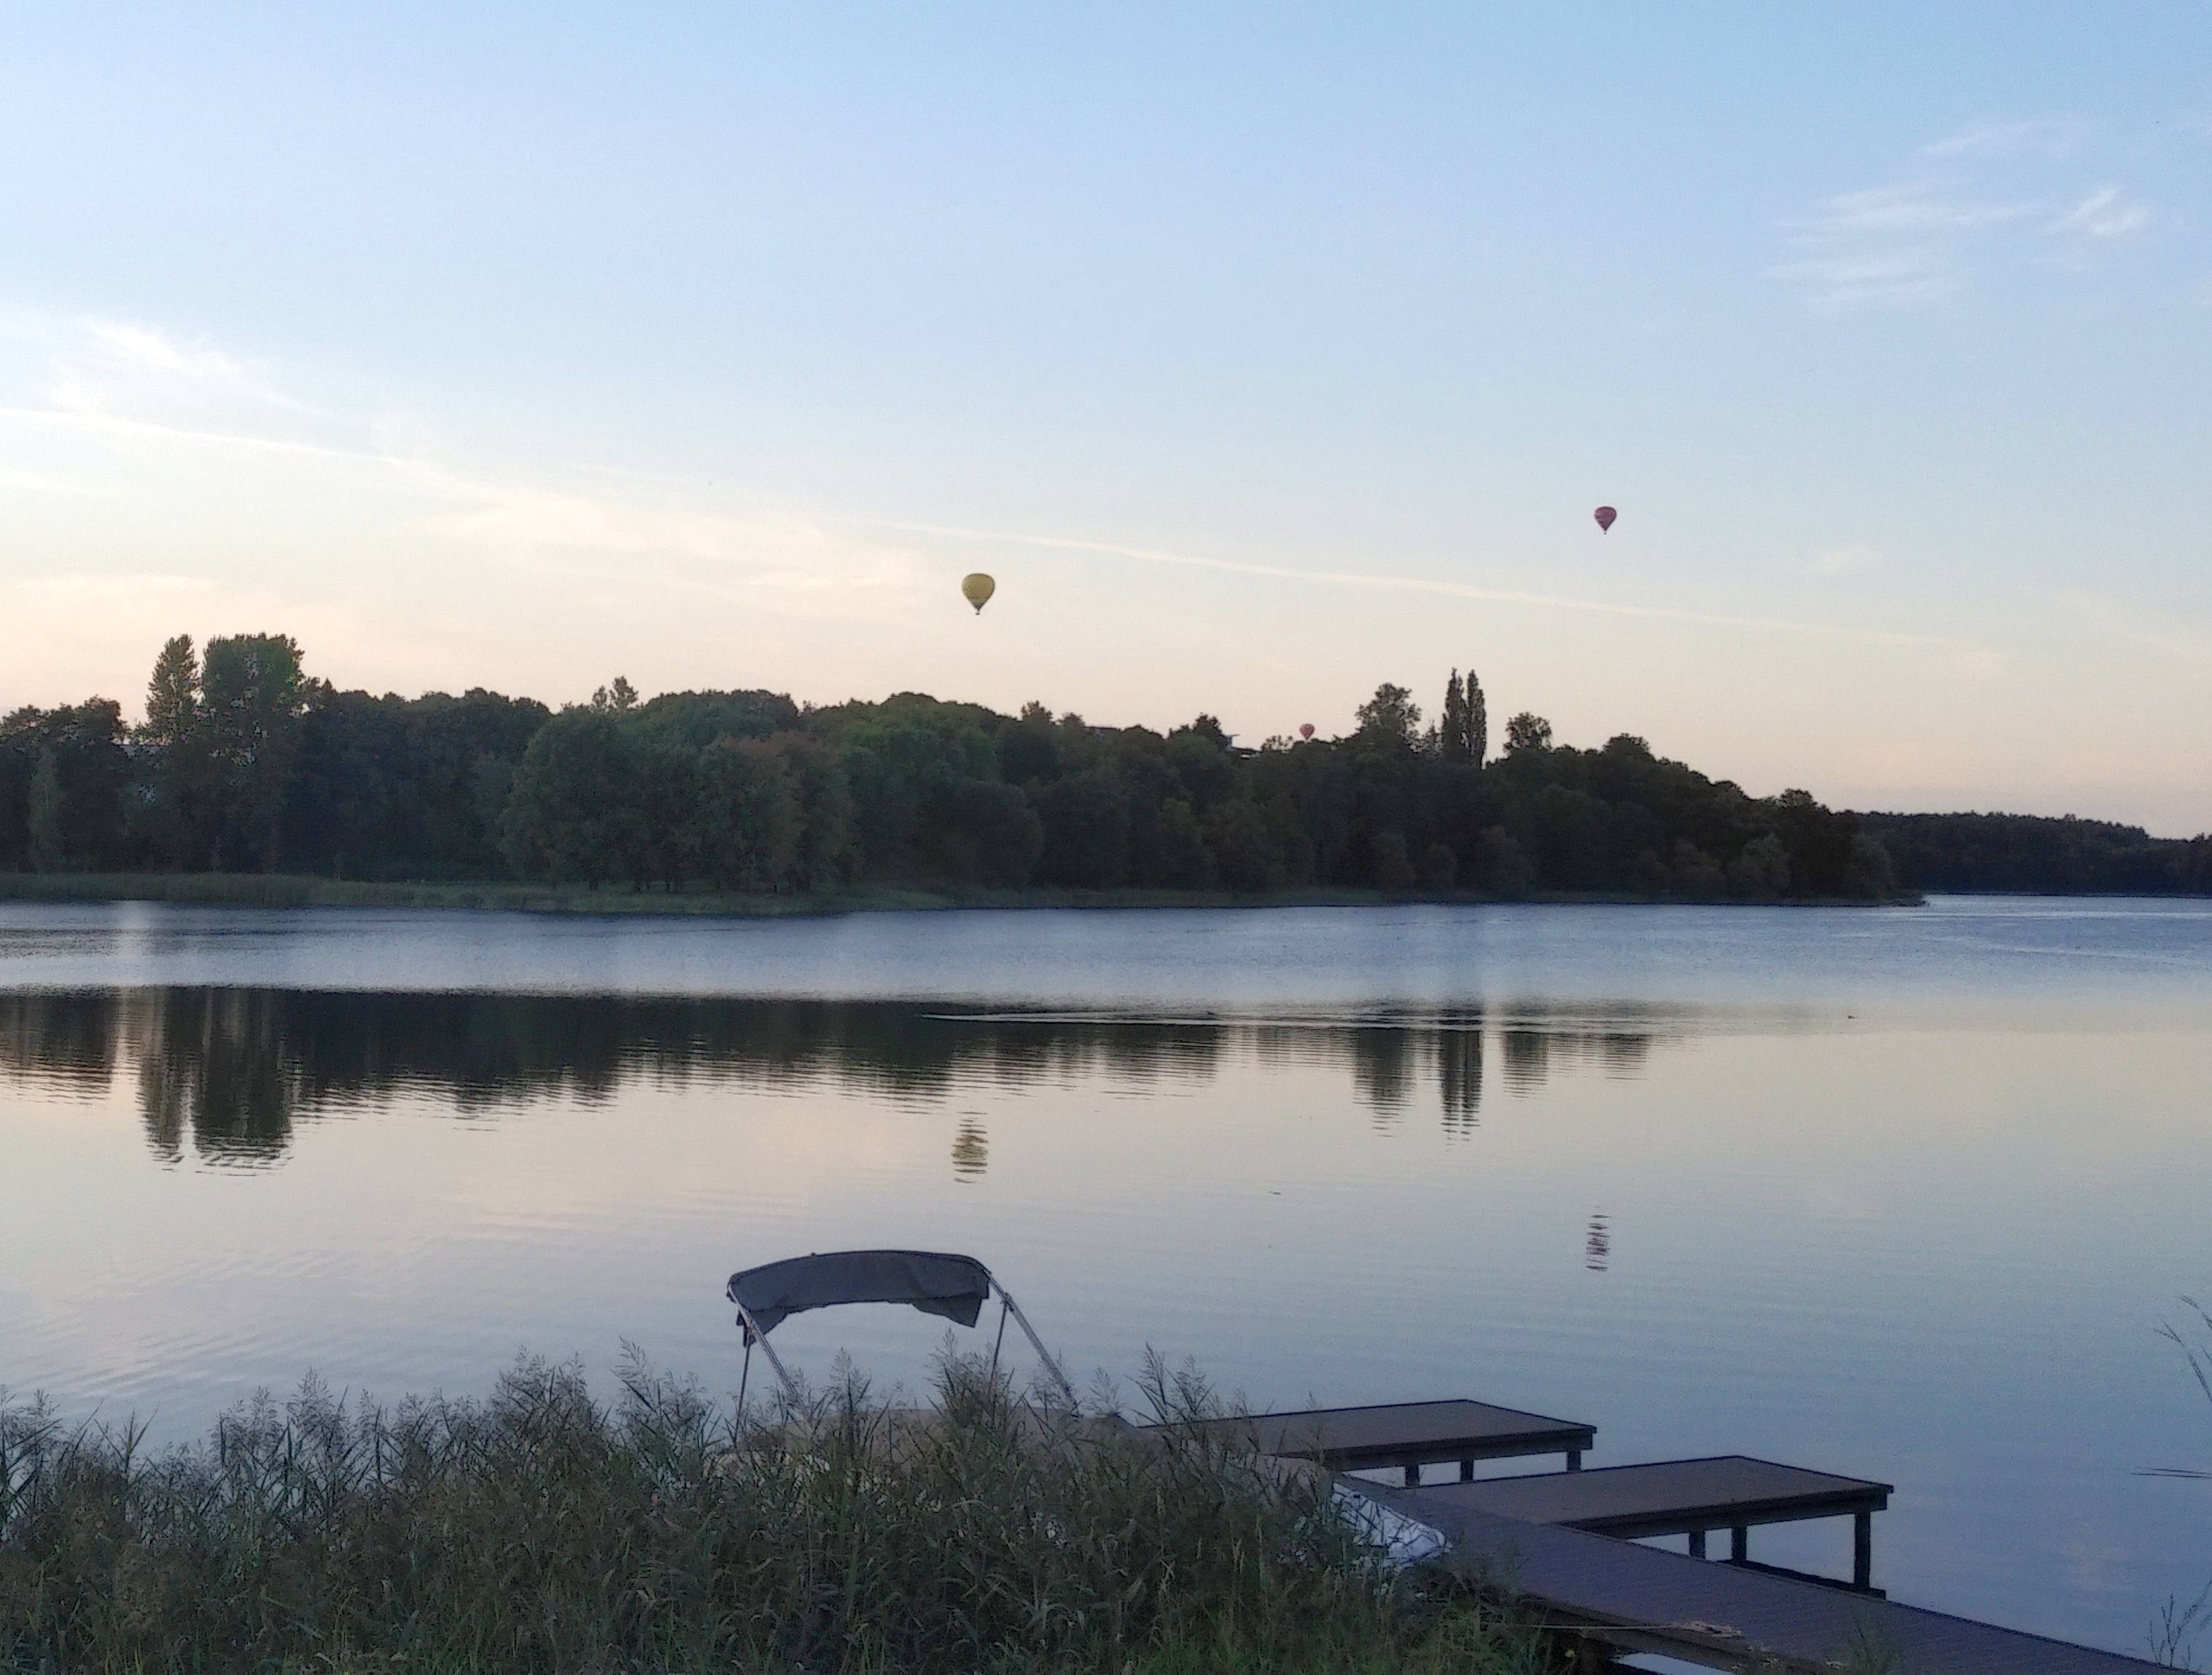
{"x":1036,"y":1342}
{"x":754,"y":1335}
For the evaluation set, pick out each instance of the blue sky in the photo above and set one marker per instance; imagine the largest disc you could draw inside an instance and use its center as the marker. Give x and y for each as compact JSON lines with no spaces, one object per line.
{"x":1263,"y":354}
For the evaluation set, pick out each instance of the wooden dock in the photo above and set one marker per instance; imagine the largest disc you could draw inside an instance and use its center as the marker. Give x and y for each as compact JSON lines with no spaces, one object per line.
{"x":1719,"y":1616}
{"x":1408,"y":1435}
{"x":1567,"y":1542}
{"x":1691,"y":1497}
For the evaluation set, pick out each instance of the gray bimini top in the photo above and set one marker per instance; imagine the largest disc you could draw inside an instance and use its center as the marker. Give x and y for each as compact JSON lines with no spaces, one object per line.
{"x":955,"y":1288}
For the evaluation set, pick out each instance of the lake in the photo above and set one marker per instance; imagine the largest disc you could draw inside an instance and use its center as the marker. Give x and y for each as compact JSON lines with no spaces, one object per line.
{"x":1904,"y":1193}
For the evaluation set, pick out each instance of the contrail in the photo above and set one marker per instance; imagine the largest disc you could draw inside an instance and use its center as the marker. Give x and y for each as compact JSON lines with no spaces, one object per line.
{"x":1428,"y":585}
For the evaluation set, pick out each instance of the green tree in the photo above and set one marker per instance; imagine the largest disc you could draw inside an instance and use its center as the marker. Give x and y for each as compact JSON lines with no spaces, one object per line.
{"x":1873,"y":875}
{"x":1694,"y":873}
{"x":1439,"y":867}
{"x":1394,"y":870}
{"x":823,"y":855}
{"x":575,"y":812}
{"x":1527,"y":733}
{"x":666,"y":851}
{"x":1390,"y":718}
{"x":1239,"y":843}
{"x":183,"y":800}
{"x":1761,"y":872}
{"x":1454,"y":742}
{"x":1478,"y":722}
{"x":1501,"y":865}
{"x":1179,"y":858}
{"x":173,"y":695}
{"x":621,"y":697}
{"x":747,"y":818}
{"x":45,"y":822}
{"x":252,"y":694}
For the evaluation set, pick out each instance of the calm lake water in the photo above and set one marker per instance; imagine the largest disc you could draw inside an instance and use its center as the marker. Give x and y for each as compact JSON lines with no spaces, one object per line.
{"x":1904,"y":1194}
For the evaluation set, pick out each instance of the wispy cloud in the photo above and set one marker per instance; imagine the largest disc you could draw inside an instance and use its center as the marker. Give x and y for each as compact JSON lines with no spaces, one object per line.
{"x":1964,"y":653}
{"x":1845,"y":562}
{"x":1895,"y":246}
{"x":2104,"y":214}
{"x":1995,"y":198}
{"x":2042,"y":137}
{"x":618,"y":534}
{"x":2160,"y":631}
{"x":103,"y":365}
{"x":152,"y":400}
{"x":109,"y":585}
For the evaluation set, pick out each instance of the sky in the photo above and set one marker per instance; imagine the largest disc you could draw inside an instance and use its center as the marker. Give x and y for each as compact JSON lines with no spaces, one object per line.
{"x":1263,"y":354}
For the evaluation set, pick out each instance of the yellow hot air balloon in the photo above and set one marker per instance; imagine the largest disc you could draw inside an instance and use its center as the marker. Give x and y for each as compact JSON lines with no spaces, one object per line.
{"x":977,"y":589}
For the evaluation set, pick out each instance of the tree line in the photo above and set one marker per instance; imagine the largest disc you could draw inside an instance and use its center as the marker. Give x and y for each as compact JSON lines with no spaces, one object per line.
{"x":245,"y":762}
{"x":2035,"y":854}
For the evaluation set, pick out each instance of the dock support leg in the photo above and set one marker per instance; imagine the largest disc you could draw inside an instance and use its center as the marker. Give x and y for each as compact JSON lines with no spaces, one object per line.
{"x":1466,"y":1471}
{"x":1697,"y":1544}
{"x":1863,"y":1549}
{"x":1740,"y":1542}
{"x":1574,"y":1460}
{"x":1413,"y":1477}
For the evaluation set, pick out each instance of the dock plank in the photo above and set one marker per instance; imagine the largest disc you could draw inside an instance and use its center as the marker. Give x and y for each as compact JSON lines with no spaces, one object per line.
{"x":1673,"y":1496}
{"x":1410,"y":1434}
{"x":1721,"y":1616}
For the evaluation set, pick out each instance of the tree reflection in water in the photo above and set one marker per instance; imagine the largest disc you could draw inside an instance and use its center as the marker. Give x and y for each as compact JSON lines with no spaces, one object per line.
{"x":234,"y":1071}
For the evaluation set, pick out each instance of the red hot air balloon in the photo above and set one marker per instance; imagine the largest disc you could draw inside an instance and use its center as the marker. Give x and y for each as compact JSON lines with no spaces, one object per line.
{"x":1605,"y":515}
{"x":1305,"y":730}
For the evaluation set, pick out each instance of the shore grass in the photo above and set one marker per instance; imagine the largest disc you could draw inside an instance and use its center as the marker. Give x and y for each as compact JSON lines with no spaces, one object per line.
{"x":279,"y":889}
{"x":540,"y":1530}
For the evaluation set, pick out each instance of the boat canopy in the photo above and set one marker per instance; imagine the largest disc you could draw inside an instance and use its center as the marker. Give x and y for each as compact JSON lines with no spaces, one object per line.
{"x":937,"y":1283}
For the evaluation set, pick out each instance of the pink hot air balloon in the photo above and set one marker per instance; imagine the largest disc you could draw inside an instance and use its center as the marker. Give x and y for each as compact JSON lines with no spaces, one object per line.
{"x":1305,"y":730}
{"x":1605,"y":515}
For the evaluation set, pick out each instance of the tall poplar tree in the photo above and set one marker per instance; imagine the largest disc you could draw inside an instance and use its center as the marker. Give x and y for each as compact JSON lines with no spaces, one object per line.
{"x":1478,"y":721}
{"x":173,"y":696}
{"x":180,"y":821}
{"x":1451,"y":731}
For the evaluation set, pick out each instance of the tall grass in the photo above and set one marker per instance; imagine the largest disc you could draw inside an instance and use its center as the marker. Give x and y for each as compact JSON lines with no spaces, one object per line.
{"x":539,"y":1530}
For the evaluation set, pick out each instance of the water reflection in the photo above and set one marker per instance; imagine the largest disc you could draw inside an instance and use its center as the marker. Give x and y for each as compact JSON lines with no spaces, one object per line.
{"x":229,"y":1072}
{"x":1459,"y":1077}
{"x":971,"y":1150}
{"x":1597,"y":1243}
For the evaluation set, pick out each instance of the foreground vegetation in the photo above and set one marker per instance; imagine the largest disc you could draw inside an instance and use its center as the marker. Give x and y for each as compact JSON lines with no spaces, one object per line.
{"x":246,"y":765}
{"x":538,"y":1530}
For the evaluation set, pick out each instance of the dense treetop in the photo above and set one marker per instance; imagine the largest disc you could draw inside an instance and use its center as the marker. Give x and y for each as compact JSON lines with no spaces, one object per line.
{"x":245,"y":762}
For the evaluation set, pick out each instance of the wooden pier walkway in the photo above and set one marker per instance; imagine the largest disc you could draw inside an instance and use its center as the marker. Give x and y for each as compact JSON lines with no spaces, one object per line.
{"x":1408,"y":1435}
{"x":1732,"y":1492}
{"x":1718,"y":1616}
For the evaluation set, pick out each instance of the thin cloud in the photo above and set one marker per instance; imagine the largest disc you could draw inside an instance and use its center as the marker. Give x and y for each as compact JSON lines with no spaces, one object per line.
{"x":138,"y":345}
{"x":1921,"y":241}
{"x":123,"y":585}
{"x":103,"y":365}
{"x":1969,"y":655}
{"x":2043,"y":137}
{"x":1845,"y":562}
{"x":1912,"y":207}
{"x":139,"y":391}
{"x":1895,"y":246}
{"x":2105,"y":213}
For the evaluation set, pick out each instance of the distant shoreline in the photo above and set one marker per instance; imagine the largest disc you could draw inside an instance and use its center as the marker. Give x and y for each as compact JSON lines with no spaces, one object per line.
{"x":256,"y":890}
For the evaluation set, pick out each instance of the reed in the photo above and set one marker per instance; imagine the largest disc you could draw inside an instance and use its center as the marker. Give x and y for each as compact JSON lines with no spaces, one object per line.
{"x":540,"y":1530}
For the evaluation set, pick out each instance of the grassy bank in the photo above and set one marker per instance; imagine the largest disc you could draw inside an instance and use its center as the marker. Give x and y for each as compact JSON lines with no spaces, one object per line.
{"x":538,"y":1531}
{"x":258,"y":889}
